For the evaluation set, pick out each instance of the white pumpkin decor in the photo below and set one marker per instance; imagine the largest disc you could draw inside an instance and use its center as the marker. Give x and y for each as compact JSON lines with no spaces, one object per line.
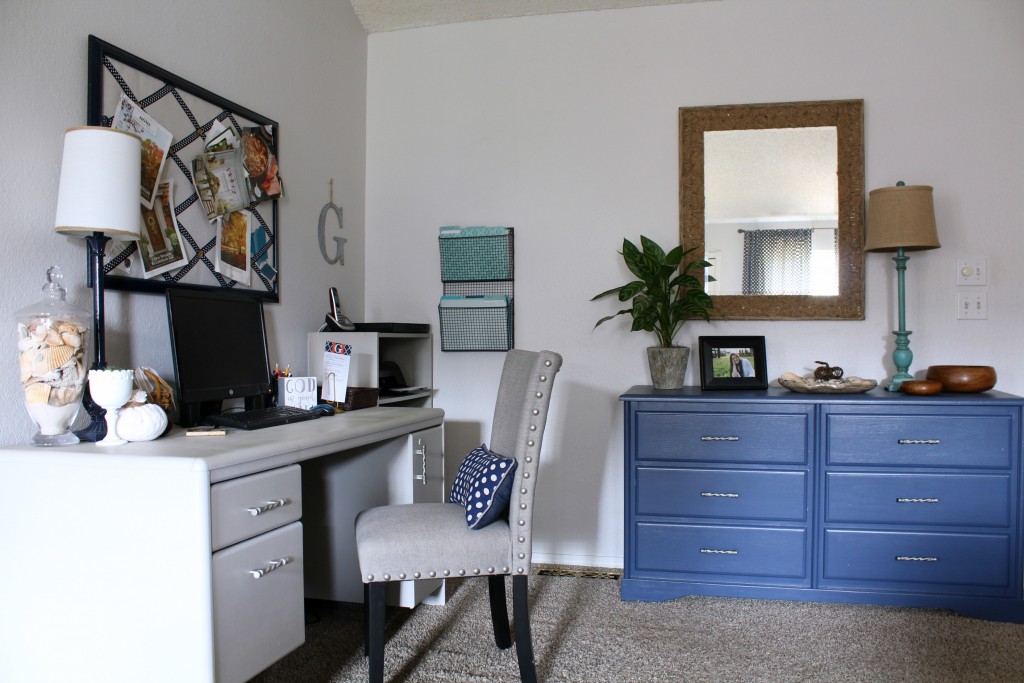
{"x":142,"y":422}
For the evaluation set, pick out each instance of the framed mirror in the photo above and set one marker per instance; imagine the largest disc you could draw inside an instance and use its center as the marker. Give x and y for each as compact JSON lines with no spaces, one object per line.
{"x":773,"y":195}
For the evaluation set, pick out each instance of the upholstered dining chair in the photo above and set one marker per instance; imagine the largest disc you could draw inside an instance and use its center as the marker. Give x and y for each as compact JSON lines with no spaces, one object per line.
{"x":434,"y":540}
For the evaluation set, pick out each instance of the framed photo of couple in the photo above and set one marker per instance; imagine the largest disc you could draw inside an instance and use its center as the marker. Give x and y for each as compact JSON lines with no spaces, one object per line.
{"x":732,"y":363}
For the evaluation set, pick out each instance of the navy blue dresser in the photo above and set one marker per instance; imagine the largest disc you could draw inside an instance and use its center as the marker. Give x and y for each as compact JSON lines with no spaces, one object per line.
{"x":871,"y":498}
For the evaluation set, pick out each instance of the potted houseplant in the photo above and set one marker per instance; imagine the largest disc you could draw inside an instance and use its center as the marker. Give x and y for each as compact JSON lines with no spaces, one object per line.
{"x":665,"y":295}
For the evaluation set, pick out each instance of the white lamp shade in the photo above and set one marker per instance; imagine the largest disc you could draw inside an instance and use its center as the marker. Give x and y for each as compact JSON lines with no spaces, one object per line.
{"x":100,"y":178}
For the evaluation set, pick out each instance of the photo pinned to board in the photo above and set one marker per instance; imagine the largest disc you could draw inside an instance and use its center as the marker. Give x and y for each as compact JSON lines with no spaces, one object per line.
{"x":232,"y":253}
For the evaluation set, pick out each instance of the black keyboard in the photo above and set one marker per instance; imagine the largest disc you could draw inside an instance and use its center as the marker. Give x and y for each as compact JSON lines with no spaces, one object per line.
{"x":262,"y":417}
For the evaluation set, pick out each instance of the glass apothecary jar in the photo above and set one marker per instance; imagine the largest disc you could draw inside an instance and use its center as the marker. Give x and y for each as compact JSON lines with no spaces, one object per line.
{"x":51,"y":338}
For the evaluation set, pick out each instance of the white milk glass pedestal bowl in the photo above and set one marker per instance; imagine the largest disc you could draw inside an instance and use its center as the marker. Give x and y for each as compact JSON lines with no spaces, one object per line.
{"x":110,"y":389}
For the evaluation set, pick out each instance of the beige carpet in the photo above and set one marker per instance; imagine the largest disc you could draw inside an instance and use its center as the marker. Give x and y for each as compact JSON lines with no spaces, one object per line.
{"x":583,"y":633}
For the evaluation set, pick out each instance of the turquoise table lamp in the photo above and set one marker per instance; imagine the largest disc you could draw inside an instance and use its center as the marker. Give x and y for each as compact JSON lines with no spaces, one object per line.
{"x":901,"y":219}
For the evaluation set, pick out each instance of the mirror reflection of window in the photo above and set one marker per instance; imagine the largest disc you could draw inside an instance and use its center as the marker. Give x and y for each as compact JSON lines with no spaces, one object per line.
{"x":782,"y":182}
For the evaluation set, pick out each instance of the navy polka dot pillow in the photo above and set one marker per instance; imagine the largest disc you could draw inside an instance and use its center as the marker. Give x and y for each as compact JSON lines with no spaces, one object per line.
{"x":483,"y":486}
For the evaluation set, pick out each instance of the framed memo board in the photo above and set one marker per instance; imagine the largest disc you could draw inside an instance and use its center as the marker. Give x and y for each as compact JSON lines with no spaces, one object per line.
{"x":189,"y":240}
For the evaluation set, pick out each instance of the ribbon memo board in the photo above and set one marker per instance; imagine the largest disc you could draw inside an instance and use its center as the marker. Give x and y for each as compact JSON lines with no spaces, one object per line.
{"x":210,"y":186}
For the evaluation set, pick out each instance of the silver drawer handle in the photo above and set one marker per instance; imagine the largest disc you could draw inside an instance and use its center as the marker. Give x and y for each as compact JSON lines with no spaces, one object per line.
{"x":917,"y":500}
{"x":271,"y":566}
{"x":912,"y":558}
{"x":918,"y":442}
{"x":712,"y":551}
{"x":712,"y":494}
{"x":268,"y":506}
{"x":422,"y":452}
{"x":719,"y":438}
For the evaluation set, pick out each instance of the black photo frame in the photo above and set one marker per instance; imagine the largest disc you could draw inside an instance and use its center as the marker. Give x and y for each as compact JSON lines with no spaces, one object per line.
{"x":188,"y":111}
{"x":714,"y":363}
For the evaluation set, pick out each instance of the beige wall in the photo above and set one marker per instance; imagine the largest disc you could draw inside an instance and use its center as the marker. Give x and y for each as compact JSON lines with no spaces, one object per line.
{"x":565,"y":127}
{"x":302,"y":64}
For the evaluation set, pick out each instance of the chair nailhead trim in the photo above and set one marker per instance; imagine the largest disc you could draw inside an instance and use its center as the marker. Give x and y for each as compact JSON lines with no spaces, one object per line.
{"x":432,"y":573}
{"x":462,"y":572}
{"x":522,"y":506}
{"x":547,"y":363}
{"x":369,"y":577}
{"x":446,"y":572}
{"x":522,"y":539}
{"x":402,"y":576}
{"x":530,"y":442}
{"x":533,"y":428}
{"x":490,"y":570}
{"x":529,"y":458}
{"x":522,"y":556}
{"x":526,"y":475}
{"x":522,"y":522}
{"x":536,"y":412}
{"x":543,"y":378}
{"x":522,"y":491}
{"x":415,"y":575}
{"x":387,"y":577}
{"x":539,"y":395}
{"x":476,"y":571}
{"x":519,"y":569}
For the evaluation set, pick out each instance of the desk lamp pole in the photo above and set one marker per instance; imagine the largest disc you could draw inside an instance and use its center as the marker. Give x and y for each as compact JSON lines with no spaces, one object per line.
{"x":902,"y":356}
{"x":97,"y":428}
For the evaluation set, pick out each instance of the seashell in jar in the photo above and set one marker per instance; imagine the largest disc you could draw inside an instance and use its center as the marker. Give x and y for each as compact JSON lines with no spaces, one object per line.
{"x":62,"y":396}
{"x":38,"y":331}
{"x":61,"y":356}
{"x":72,"y":338}
{"x":63,"y":326}
{"x":37,"y":394}
{"x":42,"y":361}
{"x":53,"y":338}
{"x":25,"y":364}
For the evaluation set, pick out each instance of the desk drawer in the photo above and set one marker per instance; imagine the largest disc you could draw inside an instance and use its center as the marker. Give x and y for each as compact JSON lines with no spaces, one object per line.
{"x":258,"y":608}
{"x":958,"y":499}
{"x":727,"y":550}
{"x":248,"y":506}
{"x":722,"y":437}
{"x":943,"y":561}
{"x":936,"y":440}
{"x":722,"y":493}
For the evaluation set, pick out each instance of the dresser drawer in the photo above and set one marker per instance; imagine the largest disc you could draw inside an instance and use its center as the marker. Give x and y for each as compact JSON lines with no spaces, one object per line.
{"x":935,"y":440}
{"x":258,"y":608}
{"x":722,"y":437}
{"x":937,"y":562}
{"x":731,"y":494}
{"x":247,"y":506}
{"x":721,"y":550}
{"x":947,"y":499}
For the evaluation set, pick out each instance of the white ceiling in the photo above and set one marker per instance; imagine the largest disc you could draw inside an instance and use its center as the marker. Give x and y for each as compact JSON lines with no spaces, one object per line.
{"x":395,"y":15}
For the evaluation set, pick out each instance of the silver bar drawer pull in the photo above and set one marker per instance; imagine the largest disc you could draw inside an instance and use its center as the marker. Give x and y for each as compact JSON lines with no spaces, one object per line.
{"x":422,"y":452}
{"x":918,"y":442}
{"x":271,"y":566}
{"x":712,"y":494}
{"x":719,"y":438}
{"x":268,"y":506}
{"x":917,"y":500}
{"x":912,"y":558}
{"x":713,"y":551}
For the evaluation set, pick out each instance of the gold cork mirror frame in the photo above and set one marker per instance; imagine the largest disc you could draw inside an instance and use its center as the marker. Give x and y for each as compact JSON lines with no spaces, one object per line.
{"x":848,"y":118}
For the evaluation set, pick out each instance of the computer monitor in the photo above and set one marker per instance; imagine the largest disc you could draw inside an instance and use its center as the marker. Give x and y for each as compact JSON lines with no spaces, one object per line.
{"x":219,"y":347}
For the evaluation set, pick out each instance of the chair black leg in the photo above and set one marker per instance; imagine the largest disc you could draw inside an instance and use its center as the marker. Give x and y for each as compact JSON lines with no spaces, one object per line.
{"x":499,"y":611}
{"x":521,"y":617}
{"x":375,"y":630}
{"x":366,"y":620}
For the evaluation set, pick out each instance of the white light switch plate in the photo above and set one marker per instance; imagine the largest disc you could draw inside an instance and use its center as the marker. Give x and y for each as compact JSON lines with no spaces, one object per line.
{"x":972,"y":270}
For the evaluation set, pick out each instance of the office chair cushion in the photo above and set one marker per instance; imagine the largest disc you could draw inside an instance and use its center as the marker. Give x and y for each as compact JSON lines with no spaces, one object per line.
{"x":483,"y":486}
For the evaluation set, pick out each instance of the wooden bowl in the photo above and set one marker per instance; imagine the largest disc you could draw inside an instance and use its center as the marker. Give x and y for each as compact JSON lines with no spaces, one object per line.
{"x":920,"y":387}
{"x":963,"y":378}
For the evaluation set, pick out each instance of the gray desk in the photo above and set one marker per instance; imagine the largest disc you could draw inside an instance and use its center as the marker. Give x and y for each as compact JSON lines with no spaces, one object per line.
{"x":183,"y":559}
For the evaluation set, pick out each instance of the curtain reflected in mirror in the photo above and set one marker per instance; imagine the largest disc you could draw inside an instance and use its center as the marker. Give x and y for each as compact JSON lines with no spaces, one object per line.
{"x":790,"y":261}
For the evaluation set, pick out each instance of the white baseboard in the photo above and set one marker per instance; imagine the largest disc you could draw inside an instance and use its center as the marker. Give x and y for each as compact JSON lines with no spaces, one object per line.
{"x":609,"y":561}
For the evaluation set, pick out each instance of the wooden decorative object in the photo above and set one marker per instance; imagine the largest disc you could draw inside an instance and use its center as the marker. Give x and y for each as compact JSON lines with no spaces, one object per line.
{"x":963,"y":378}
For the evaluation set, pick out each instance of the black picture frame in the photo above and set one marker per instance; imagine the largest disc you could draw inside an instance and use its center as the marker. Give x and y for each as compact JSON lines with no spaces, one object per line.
{"x":752,"y":356}
{"x":115,"y":70}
